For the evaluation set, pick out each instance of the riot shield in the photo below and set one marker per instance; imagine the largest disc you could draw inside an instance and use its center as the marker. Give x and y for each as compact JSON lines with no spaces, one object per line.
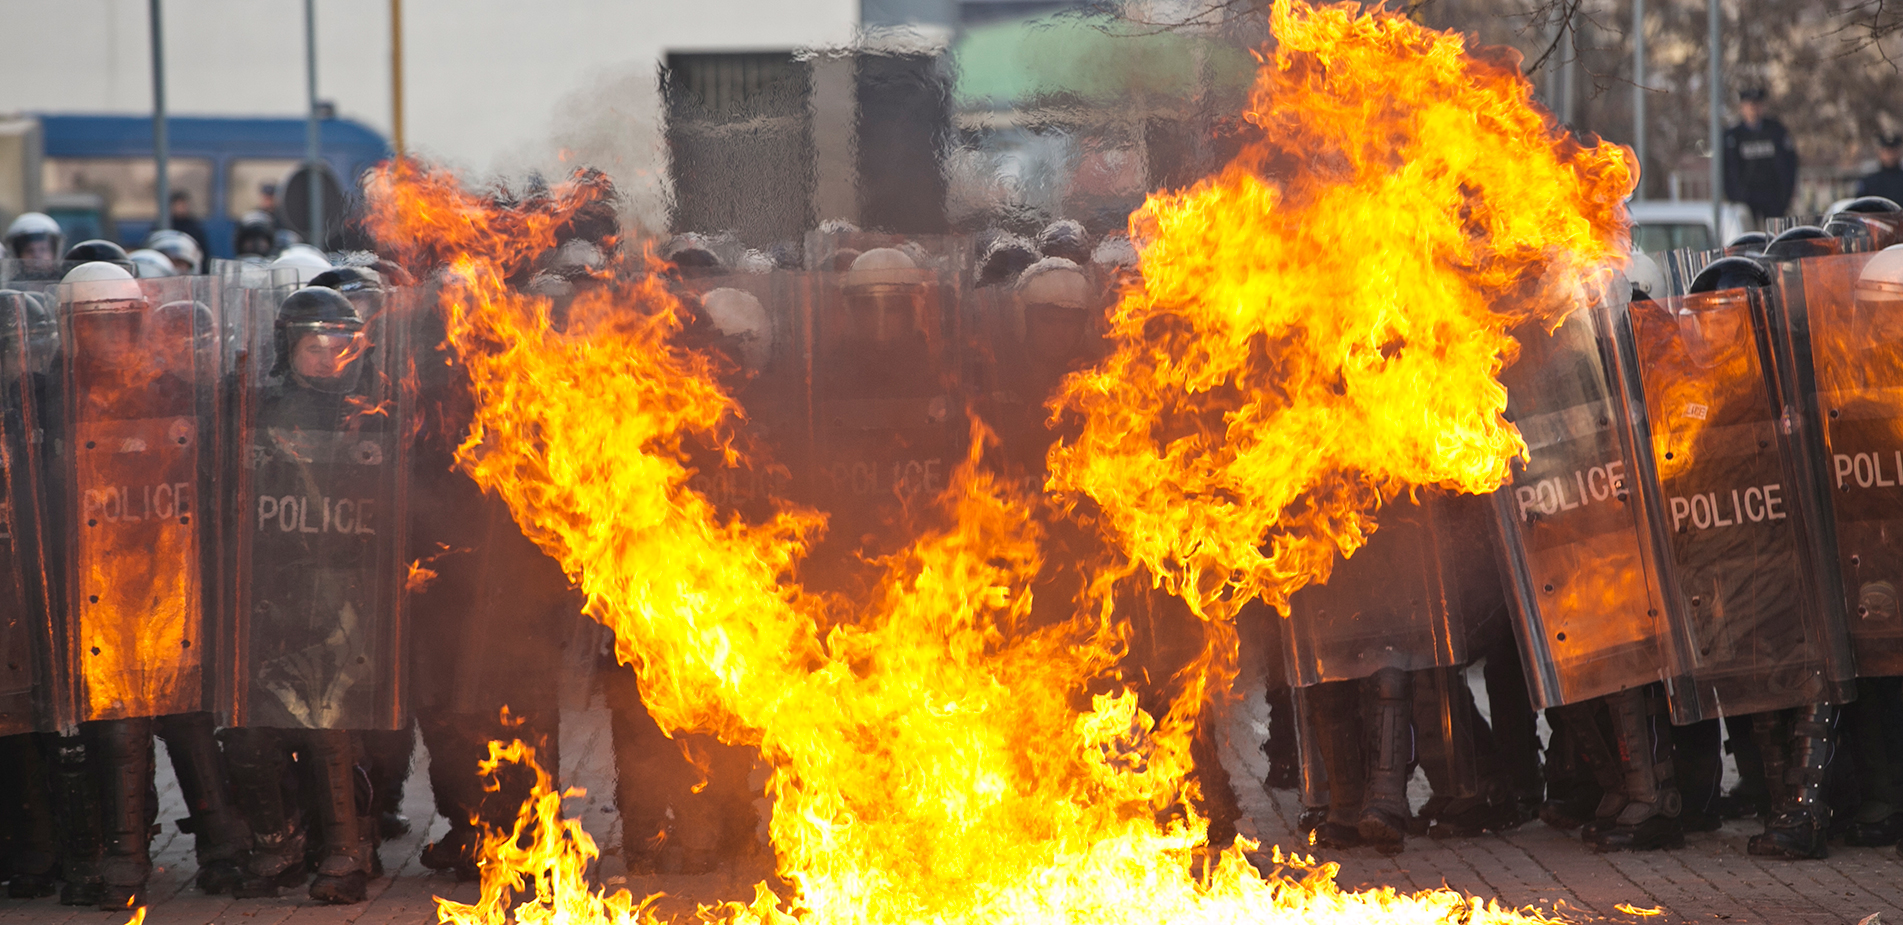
{"x":136,"y":442}
{"x":1585,"y":597}
{"x":1023,"y":342}
{"x":1839,"y":351}
{"x":1749,"y":630}
{"x":888,"y":419}
{"x":323,"y":428}
{"x":755,"y":326}
{"x":1391,"y":605}
{"x":28,"y":336}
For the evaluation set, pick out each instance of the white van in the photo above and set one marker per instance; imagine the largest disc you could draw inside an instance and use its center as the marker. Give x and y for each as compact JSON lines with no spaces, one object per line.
{"x":1660,"y":225}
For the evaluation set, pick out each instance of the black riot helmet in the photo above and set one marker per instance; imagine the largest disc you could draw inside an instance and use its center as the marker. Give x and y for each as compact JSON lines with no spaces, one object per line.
{"x":1749,"y":244}
{"x":1008,"y":257}
{"x":1871,"y":205}
{"x":98,"y":249}
{"x":256,"y":235}
{"x":1065,"y":238}
{"x":1802,"y":241}
{"x":318,"y":339}
{"x":1714,"y":321}
{"x":363,"y":286}
{"x":1731,"y":273}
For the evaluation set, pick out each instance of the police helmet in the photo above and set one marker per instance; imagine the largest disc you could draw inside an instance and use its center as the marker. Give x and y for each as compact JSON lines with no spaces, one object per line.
{"x":1871,"y":205}
{"x":1008,"y":256}
{"x":150,"y":264}
{"x":98,"y":249}
{"x":179,"y":248}
{"x":740,"y":318}
{"x":363,"y":286}
{"x":307,"y":311}
{"x":31,"y":228}
{"x":306,"y":260}
{"x":1802,"y":241}
{"x":1732,"y":273}
{"x":1065,"y":238}
{"x":1882,"y":278}
{"x":99,"y":286}
{"x":1749,"y":244}
{"x":256,"y":235}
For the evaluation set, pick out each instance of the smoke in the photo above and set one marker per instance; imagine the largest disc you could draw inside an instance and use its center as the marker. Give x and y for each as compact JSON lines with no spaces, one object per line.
{"x":614,"y":123}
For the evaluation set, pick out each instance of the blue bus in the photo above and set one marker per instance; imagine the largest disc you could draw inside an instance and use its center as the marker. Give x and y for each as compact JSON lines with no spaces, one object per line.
{"x":98,"y":177}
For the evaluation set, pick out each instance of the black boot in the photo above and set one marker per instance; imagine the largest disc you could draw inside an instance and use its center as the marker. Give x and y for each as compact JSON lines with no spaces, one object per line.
{"x":1572,"y":792}
{"x":1873,"y":724}
{"x":125,"y":762}
{"x":343,"y":877}
{"x":1331,"y":720}
{"x":1648,"y":818}
{"x":220,"y":838}
{"x":257,"y":759}
{"x":1285,"y":770}
{"x":455,"y":750}
{"x":1699,"y":765}
{"x":387,"y":755}
{"x":1312,"y":776}
{"x":1797,"y":829}
{"x":1387,"y":715}
{"x":80,"y":817}
{"x":1472,"y":788}
{"x":33,"y":849}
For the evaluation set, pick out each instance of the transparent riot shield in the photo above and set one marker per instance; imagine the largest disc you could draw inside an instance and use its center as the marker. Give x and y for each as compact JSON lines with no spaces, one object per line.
{"x":1397,"y":603}
{"x":317,"y":530}
{"x":1023,"y":341}
{"x":755,"y":326}
{"x":1585,"y":598}
{"x":1749,"y":630}
{"x":888,"y":416}
{"x":1838,"y":347}
{"x":28,"y":339}
{"x":1391,"y":605}
{"x":135,"y":468}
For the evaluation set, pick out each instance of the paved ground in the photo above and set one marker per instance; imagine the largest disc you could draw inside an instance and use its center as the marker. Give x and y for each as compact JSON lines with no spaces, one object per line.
{"x":1711,"y":881}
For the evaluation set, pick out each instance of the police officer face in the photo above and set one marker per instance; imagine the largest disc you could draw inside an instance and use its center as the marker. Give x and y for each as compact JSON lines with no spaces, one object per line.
{"x":37,"y":248}
{"x":1715,"y":330}
{"x":326,"y":355}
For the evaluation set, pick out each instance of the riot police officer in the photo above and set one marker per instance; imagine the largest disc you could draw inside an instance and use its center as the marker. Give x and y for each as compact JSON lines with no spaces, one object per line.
{"x":134,"y":394}
{"x":319,"y":610}
{"x":34,"y":236}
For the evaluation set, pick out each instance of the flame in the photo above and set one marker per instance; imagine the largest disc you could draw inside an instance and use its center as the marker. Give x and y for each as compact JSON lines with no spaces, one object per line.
{"x":934,"y":757}
{"x":138,"y":917}
{"x":1321,"y":326}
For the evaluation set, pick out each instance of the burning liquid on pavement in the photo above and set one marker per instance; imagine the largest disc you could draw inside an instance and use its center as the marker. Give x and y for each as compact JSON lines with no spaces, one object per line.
{"x":1320,"y":329}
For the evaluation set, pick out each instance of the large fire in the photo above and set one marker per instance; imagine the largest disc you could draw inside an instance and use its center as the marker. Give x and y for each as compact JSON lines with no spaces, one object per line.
{"x":1320,"y":329}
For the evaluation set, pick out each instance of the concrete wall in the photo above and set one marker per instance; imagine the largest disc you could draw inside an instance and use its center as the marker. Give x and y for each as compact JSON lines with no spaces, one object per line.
{"x":490,"y":84}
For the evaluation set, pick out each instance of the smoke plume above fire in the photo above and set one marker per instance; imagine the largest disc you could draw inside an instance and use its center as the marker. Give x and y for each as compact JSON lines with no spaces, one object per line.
{"x":1318,"y":329}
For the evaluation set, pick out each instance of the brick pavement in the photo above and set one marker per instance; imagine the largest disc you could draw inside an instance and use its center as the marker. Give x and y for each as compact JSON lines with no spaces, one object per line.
{"x":1711,"y":881}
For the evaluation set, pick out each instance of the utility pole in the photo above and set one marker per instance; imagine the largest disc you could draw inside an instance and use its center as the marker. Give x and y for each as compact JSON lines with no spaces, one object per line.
{"x":396,"y":75}
{"x":1638,"y":92}
{"x":313,"y":142}
{"x":1715,"y":28}
{"x":161,"y":145}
